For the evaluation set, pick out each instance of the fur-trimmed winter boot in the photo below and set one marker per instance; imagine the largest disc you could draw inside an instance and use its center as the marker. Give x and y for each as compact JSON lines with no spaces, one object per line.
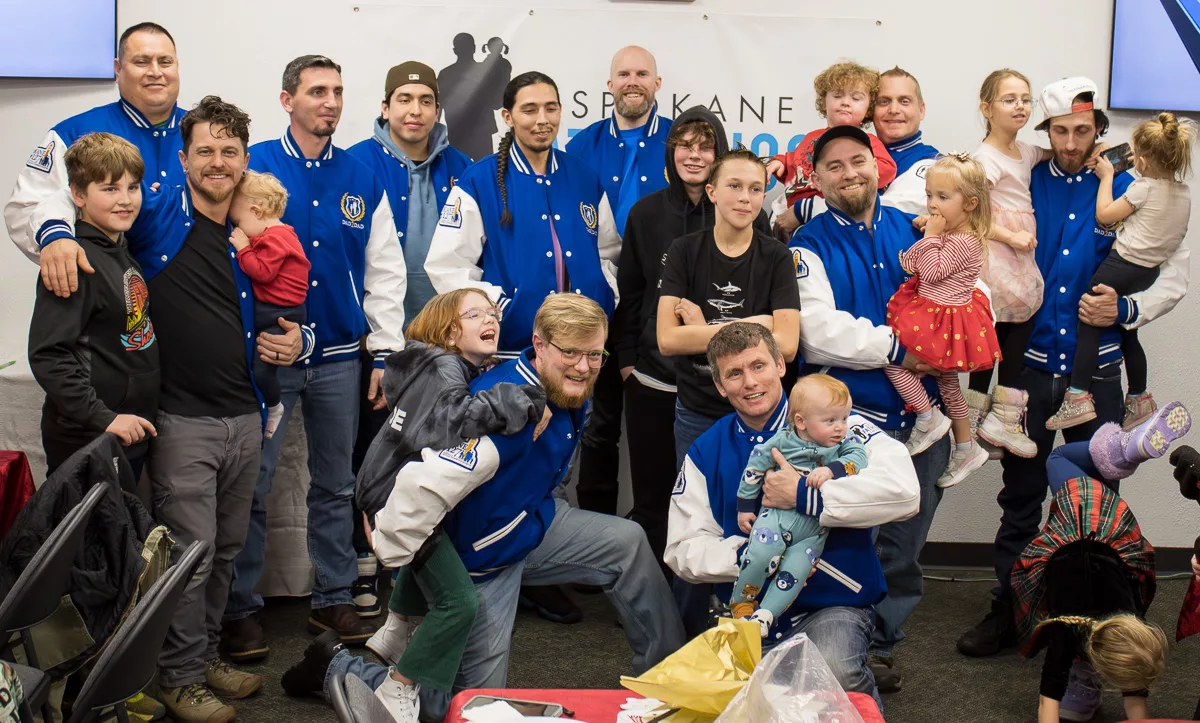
{"x":1117,"y":453}
{"x":978,"y":405}
{"x":1003,"y":424}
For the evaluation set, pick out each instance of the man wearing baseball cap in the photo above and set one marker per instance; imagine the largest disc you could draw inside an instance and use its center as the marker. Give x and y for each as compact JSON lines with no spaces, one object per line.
{"x":1071,"y":244}
{"x":847,"y":267}
{"x":411,"y":155}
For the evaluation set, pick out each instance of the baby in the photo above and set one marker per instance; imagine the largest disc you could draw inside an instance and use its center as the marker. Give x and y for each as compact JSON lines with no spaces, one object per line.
{"x":786,"y":543}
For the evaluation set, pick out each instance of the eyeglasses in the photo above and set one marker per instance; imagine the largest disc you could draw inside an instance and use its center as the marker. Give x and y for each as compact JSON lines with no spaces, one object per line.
{"x":1010,"y":101}
{"x":595,"y":359}
{"x":474,"y":313}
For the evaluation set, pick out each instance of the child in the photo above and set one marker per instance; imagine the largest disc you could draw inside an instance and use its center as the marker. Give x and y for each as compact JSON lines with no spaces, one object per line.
{"x":93,"y":352}
{"x":785,"y":544}
{"x":1154,"y":212}
{"x":270,"y":254}
{"x":939,"y":316}
{"x":1011,"y":271}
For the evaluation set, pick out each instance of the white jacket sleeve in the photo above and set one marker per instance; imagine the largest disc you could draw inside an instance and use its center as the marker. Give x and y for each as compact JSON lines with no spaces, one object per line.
{"x":697,"y":548}
{"x":457,"y":247}
{"x":425,"y":490}
{"x":40,"y":209}
{"x":609,"y":244}
{"x":907,"y":192}
{"x":832,"y":337}
{"x":384,"y":284}
{"x":1167,"y":290}
{"x":886,"y":490}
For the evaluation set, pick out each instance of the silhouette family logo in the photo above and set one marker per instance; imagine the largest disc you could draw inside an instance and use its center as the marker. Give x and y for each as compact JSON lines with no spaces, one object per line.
{"x":472,"y":91}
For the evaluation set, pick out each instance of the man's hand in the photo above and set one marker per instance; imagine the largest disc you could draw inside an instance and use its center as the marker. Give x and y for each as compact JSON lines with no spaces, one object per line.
{"x":746,"y":522}
{"x":935,"y":226}
{"x":239,"y":239}
{"x":918,"y":367}
{"x":625,"y":372}
{"x":131,"y":429}
{"x":542,"y":423}
{"x":780,"y":485}
{"x":785,"y":225}
{"x":375,"y":390}
{"x":1099,"y":308}
{"x":1022,"y":241}
{"x":282,"y":350}
{"x":818,"y":477}
{"x":689,"y":313}
{"x":1195,"y":566}
{"x":61,"y":263}
{"x":921,"y":221}
{"x":368,"y":531}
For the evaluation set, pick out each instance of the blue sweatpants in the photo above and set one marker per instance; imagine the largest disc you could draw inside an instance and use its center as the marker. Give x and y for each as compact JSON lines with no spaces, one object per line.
{"x":784,"y":545}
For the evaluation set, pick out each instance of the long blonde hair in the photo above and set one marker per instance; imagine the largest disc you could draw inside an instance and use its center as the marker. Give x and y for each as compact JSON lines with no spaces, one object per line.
{"x":990,"y":89}
{"x":1165,"y":143}
{"x":1127,"y":652}
{"x":971,"y":181}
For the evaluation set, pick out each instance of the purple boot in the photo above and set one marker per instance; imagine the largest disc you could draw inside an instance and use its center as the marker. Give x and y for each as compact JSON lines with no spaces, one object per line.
{"x":1108,"y":452}
{"x":1117,"y":453}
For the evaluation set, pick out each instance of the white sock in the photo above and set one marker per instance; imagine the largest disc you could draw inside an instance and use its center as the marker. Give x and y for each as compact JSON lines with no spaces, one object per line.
{"x":963,"y":446}
{"x":925,"y":416}
{"x":274,"y":417}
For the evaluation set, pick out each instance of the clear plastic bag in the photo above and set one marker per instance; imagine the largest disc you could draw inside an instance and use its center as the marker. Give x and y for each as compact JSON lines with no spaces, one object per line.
{"x":792,"y":684}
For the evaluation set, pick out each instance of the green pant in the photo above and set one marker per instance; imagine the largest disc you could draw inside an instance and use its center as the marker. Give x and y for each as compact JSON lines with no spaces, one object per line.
{"x":442,"y":591}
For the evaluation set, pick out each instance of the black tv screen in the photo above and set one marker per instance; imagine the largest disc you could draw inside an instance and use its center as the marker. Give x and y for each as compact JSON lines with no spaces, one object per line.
{"x":1155,"y":55}
{"x":59,"y":39}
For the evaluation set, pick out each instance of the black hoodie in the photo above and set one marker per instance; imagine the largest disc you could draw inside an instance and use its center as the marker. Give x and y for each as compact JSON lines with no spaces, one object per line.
{"x":654,"y":222}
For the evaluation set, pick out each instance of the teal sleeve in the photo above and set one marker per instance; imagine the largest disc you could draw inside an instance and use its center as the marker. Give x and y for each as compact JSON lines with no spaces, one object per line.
{"x":853,"y":451}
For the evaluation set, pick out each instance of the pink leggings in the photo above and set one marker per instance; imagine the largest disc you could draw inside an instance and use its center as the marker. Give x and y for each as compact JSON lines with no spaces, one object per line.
{"x":911,"y":391}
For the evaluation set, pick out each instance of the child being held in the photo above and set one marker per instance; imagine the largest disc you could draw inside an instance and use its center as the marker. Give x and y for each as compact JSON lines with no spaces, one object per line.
{"x":940,"y":317}
{"x":1154,"y":211}
{"x":269,"y":252}
{"x":784,"y":545}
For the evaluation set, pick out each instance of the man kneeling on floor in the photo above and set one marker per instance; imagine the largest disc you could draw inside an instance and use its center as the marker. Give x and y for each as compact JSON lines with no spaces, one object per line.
{"x":703,"y":539}
{"x":513,"y":528}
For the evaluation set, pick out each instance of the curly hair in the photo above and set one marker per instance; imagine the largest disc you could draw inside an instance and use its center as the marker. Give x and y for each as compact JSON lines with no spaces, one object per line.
{"x":232,"y":121}
{"x":847,"y":75}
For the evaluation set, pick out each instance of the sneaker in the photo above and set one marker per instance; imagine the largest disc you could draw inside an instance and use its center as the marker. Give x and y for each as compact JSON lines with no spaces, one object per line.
{"x":344,"y":619}
{"x":400,"y":699}
{"x":765,"y":619}
{"x":195,"y":702}
{"x":925,"y":433}
{"x":365,"y":588}
{"x":995,"y":632}
{"x":550,"y":603}
{"x":307,"y":678}
{"x":390,"y":641}
{"x":143,"y":707}
{"x":887,"y":675}
{"x":1138,"y":409}
{"x":1081,"y":702}
{"x":229,"y":682}
{"x":243,"y":641}
{"x":962,"y":463}
{"x":274,"y":417}
{"x":1077,"y":408}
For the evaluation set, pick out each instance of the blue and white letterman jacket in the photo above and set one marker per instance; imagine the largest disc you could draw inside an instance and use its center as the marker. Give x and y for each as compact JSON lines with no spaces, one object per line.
{"x":514,"y":264}
{"x":40,"y":209}
{"x":342,"y":216}
{"x":495,"y":492}
{"x":1071,"y":245}
{"x":704,"y":542}
{"x":846,"y":273}
{"x":912,"y":158}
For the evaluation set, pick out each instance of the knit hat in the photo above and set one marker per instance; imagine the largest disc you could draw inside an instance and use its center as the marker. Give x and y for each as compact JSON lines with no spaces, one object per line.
{"x":410,"y":72}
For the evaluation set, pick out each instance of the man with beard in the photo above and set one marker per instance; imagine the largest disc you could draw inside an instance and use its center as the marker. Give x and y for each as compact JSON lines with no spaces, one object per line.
{"x":1071,"y":245}
{"x":899,"y":110}
{"x":341,"y":214}
{"x":847,"y":267}
{"x":497,"y":494}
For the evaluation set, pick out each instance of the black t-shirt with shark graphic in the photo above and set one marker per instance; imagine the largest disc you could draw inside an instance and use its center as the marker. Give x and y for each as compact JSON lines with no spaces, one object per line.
{"x":759,"y":282}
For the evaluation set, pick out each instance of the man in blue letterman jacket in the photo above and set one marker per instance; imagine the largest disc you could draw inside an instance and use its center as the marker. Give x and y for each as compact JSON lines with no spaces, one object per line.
{"x":497,"y":496}
{"x":847,"y":267}
{"x":342,"y":217}
{"x":703,"y":539}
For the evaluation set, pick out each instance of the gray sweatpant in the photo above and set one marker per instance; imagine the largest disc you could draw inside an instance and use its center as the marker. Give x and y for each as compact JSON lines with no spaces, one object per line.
{"x":202,"y":474}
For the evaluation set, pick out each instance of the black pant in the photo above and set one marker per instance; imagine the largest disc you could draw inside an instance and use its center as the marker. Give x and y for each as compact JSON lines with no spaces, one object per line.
{"x":1014,"y":340}
{"x":1025,"y":480}
{"x":650,"y":420}
{"x":600,"y":456}
{"x":1125,"y":278}
{"x":266,"y":318}
{"x":370,"y":421}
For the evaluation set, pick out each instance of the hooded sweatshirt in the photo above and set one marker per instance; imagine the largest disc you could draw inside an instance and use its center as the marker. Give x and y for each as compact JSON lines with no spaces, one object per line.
{"x":654,"y":222}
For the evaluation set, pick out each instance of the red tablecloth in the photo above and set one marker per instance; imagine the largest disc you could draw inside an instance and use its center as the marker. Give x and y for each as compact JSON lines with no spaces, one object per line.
{"x":603,"y":706}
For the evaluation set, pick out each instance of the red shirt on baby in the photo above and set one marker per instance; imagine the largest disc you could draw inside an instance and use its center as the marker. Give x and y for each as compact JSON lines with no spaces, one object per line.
{"x":277,"y":267}
{"x":798,"y":166}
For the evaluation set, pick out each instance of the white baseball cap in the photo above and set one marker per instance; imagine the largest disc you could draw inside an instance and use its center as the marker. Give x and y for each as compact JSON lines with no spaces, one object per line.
{"x":1058,"y":98}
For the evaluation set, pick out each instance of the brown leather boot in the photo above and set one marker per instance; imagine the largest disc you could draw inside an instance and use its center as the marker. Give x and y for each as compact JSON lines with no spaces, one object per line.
{"x":352,"y":629}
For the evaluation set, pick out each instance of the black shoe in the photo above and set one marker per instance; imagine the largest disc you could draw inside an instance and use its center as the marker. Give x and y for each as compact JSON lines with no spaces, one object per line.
{"x":551,"y":603}
{"x":994,"y":633}
{"x":343,"y":619}
{"x":307,"y":678}
{"x":243,"y":641}
{"x":887,"y":675}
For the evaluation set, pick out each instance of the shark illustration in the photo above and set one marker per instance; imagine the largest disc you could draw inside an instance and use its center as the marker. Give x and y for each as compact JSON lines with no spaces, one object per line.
{"x":728,"y":289}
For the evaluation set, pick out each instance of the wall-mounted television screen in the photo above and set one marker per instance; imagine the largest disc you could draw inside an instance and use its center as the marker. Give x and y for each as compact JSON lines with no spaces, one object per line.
{"x":1155,"y":55}
{"x":59,"y":39}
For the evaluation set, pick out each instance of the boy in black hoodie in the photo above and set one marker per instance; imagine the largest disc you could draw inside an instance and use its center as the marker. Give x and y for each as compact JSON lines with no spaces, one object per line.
{"x":93,"y":352}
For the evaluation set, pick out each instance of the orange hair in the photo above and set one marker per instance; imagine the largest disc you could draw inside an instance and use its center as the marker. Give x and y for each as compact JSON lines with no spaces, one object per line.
{"x":437,"y":323}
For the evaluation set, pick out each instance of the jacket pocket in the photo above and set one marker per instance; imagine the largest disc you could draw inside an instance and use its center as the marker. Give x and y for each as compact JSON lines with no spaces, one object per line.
{"x":499,"y":534}
{"x":141,"y":395}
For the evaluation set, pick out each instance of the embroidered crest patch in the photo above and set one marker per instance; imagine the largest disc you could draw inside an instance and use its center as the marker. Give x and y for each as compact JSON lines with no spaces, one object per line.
{"x":863,"y":431}
{"x":464,"y":455}
{"x":42,"y":158}
{"x":680,"y":484}
{"x":451,"y":217}
{"x":801,"y":267}
{"x":588,"y":212}
{"x":353,"y":207}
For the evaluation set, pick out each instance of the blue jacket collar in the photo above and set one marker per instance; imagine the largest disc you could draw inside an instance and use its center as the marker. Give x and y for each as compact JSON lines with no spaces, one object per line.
{"x":525,"y":367}
{"x":1058,"y":172}
{"x":777,"y":422}
{"x":292,"y":148}
{"x":910,"y":142}
{"x":517,"y":160}
{"x":648,"y":130}
{"x":142,"y":121}
{"x":844,"y":220}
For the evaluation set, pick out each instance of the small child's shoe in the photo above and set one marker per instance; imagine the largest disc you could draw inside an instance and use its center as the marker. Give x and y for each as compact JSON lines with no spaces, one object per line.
{"x":978,"y":406}
{"x":962,"y":463}
{"x":741,"y":610}
{"x":400,"y":699}
{"x":1153,"y":437}
{"x":1003,"y":425}
{"x":765,"y":620}
{"x":274,"y":417}
{"x":1138,"y":409}
{"x":1077,"y":408}
{"x":926,"y":432}
{"x":391,"y":640}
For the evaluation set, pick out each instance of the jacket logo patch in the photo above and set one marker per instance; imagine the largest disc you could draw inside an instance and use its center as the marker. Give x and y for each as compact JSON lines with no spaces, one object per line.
{"x":354,"y":208}
{"x":464,"y":455}
{"x":451,"y":216}
{"x":139,"y":332}
{"x":588,"y":211}
{"x":801,"y":267}
{"x":398,"y":417}
{"x":680,"y":484}
{"x":42,"y":158}
{"x":863,"y":432}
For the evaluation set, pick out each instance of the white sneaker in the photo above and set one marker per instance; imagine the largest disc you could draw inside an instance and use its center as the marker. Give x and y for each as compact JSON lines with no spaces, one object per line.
{"x":274,"y":417}
{"x":925,"y":433}
{"x":962,"y":464}
{"x":390,"y":641}
{"x":765,"y":619}
{"x":400,"y":699}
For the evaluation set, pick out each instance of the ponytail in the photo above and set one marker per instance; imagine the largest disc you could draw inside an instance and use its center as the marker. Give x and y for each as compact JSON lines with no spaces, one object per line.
{"x":1165,"y":143}
{"x":501,"y":167}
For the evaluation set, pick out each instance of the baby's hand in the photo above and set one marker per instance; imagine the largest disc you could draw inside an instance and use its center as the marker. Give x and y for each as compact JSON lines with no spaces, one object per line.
{"x":819,"y":476}
{"x":239,"y":239}
{"x":1023,"y":240}
{"x":935,"y":226}
{"x":775,"y":168}
{"x":746,"y":521}
{"x":1104,"y":168}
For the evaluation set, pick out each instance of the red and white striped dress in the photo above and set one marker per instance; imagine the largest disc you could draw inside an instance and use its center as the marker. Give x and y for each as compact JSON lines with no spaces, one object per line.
{"x":938,"y":315}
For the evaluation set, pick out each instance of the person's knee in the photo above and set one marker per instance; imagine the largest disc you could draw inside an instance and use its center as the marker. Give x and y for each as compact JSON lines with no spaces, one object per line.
{"x":459,"y":609}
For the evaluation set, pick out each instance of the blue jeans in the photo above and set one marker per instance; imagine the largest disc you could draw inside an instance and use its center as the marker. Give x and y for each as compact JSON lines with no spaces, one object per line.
{"x":689,"y":426}
{"x":579,"y":547}
{"x":331,"y":393}
{"x":899,"y":544}
{"x":843,"y":635}
{"x":1070,"y":461}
